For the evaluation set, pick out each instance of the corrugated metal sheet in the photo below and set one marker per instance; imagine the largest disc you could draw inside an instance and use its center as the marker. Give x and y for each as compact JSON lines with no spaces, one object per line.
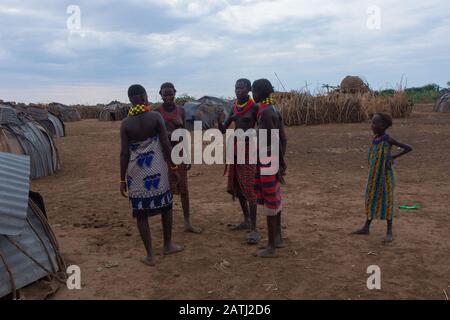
{"x":57,"y":124}
{"x":24,"y":270}
{"x":49,"y":121}
{"x":115,"y":111}
{"x":66,"y":113}
{"x":9,"y":115}
{"x":26,"y":249}
{"x":35,"y":113}
{"x":14,"y":186}
{"x":8,"y":142}
{"x":35,"y":141}
{"x":205,"y":110}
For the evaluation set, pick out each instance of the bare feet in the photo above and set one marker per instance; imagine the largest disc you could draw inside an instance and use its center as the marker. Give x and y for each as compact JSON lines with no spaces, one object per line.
{"x":239,"y":227}
{"x":389,"y":238}
{"x":363,"y":231}
{"x":191,"y":229}
{"x":266,"y":253}
{"x":172,"y":249}
{"x":253,"y":238}
{"x":280,"y":245}
{"x":149,"y":261}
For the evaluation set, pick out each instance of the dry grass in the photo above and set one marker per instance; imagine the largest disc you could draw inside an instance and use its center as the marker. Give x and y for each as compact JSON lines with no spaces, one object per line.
{"x":305,"y":109}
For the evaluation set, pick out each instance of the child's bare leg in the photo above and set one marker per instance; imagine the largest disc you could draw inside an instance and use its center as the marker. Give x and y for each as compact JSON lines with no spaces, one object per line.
{"x":389,"y":234}
{"x":169,"y":247}
{"x":245,"y":210}
{"x":144,"y":231}
{"x":253,"y":237}
{"x":365,"y":230}
{"x":187,"y":215}
{"x":270,"y":251}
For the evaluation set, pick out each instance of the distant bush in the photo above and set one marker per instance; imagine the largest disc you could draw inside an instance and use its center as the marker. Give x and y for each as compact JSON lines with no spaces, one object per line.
{"x":182,"y":99}
{"x":425,"y":94}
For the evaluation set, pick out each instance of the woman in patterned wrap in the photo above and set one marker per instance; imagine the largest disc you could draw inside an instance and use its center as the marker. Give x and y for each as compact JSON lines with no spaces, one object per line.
{"x":144,"y":160}
{"x":380,"y":183}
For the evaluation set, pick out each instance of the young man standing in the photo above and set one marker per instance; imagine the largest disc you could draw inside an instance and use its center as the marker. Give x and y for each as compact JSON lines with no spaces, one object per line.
{"x":241,"y":176}
{"x":268,"y":185}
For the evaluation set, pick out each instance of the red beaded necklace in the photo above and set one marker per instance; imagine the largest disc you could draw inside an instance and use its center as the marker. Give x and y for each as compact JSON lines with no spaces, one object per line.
{"x":242,"y":109}
{"x":169,"y":116}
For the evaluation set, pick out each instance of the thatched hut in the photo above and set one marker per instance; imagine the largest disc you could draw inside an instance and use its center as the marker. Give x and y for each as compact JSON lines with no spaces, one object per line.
{"x":21,"y":134}
{"x":443,"y":103}
{"x":66,"y":113}
{"x":114,"y":111}
{"x":353,"y":84}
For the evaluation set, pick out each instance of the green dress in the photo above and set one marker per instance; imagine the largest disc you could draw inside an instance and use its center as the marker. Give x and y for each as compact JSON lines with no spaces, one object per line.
{"x":380,"y":184}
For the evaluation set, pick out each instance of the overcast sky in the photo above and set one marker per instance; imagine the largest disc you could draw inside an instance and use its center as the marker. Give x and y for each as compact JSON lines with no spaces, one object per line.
{"x":204,"y":46}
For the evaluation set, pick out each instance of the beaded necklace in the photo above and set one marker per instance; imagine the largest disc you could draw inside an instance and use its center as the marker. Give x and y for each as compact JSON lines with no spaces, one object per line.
{"x":241,"y":109}
{"x":169,"y":116}
{"x":138,"y":109}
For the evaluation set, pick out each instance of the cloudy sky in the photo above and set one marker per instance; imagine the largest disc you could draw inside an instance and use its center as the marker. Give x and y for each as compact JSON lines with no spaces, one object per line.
{"x":91,"y":51}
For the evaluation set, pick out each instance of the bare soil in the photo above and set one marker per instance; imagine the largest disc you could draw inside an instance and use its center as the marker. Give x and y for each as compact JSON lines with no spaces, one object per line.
{"x":323,"y":201}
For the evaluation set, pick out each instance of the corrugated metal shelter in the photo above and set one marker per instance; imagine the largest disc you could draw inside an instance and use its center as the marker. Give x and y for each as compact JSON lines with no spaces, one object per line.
{"x":207,"y":110}
{"x":52,"y":123}
{"x":114,"y":111}
{"x":443,"y":103}
{"x":65,"y":113}
{"x":28,"y":248}
{"x":55,"y":125}
{"x":20,"y":134}
{"x":89,"y":112}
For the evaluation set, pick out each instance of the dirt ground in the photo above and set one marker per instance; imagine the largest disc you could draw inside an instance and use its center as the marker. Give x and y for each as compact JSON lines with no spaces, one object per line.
{"x":323,"y":201}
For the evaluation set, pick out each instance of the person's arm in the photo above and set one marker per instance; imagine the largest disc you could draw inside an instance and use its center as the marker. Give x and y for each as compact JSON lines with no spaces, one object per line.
{"x":164,"y":138}
{"x":268,"y":121}
{"x":183,"y":114}
{"x":272,"y":120}
{"x":283,"y":137}
{"x":124,"y":158}
{"x":224,"y":126}
{"x":283,"y":147}
{"x":406,"y":148}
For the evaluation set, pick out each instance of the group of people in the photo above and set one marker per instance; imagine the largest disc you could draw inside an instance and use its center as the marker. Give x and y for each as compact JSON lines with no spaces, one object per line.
{"x":149,"y":178}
